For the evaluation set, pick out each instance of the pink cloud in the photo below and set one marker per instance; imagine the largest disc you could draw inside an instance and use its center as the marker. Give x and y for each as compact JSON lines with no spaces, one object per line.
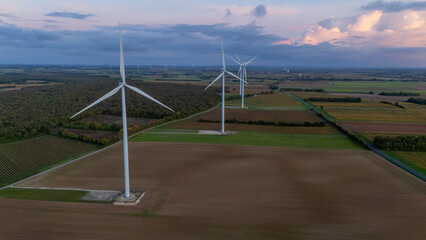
{"x":376,"y":28}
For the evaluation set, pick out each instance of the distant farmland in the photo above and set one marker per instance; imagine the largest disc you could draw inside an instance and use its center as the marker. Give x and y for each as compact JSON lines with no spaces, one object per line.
{"x":22,"y":159}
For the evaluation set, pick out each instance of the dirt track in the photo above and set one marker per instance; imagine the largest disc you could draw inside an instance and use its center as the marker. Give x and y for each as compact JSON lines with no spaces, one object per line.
{"x":199,"y":191}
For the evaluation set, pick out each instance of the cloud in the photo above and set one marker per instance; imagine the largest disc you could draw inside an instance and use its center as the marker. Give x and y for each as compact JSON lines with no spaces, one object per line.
{"x":50,"y":21}
{"x":185,"y":44}
{"x":394,"y":6}
{"x":412,"y":21}
{"x":6,"y":15}
{"x":318,"y":34}
{"x":69,"y":15}
{"x":366,"y":22}
{"x":181,"y":43}
{"x":228,"y":12}
{"x":259,"y":11}
{"x":375,"y":28}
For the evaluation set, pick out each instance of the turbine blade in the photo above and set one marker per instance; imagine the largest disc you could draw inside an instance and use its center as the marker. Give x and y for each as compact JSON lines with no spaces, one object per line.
{"x":251,"y":60}
{"x":235,"y":76}
{"x":235,"y":61}
{"x":100,"y":100}
{"x":245,"y":76}
{"x":223,"y":57}
{"x":147,"y":96}
{"x":122,"y":72}
{"x":237,"y":56}
{"x":214,"y":81}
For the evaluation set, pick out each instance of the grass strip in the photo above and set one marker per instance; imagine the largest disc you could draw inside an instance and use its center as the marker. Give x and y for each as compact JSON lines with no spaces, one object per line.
{"x":255,"y":139}
{"x":44,"y":194}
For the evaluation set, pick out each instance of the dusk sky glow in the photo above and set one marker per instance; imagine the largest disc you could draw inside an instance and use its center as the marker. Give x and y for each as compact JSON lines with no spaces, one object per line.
{"x":308,"y":33}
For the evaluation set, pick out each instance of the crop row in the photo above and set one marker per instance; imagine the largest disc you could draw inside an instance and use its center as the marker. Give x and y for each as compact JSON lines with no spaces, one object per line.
{"x":21,"y":159}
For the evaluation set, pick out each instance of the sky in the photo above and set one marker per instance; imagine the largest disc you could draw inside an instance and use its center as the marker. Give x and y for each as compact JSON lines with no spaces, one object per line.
{"x":302,"y":33}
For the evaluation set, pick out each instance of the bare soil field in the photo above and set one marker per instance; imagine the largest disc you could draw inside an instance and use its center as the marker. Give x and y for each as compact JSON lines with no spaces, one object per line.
{"x":247,"y":115}
{"x":384,"y":127}
{"x":252,"y":87}
{"x":108,"y":119}
{"x":197,"y":191}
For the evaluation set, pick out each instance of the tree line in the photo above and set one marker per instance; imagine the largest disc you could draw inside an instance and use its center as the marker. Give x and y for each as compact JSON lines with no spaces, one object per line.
{"x":401,"y":143}
{"x":324,"y":99}
{"x":420,"y":101}
{"x":398,"y":94}
{"x":302,"y":90}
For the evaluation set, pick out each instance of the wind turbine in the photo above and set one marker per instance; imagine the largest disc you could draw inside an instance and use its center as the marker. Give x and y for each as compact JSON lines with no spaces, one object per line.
{"x":242,"y":73}
{"x":222,"y":74}
{"x":121,"y":87}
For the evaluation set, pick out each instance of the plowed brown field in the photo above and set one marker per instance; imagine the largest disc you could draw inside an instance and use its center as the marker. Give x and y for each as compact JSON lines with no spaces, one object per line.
{"x":247,"y":115}
{"x":385,"y":127}
{"x":197,"y":191}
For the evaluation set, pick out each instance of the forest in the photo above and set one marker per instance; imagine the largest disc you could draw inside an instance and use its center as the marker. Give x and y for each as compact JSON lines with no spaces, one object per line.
{"x":36,"y":111}
{"x":420,"y":101}
{"x":398,"y":94}
{"x":401,"y":143}
{"x":302,"y":89}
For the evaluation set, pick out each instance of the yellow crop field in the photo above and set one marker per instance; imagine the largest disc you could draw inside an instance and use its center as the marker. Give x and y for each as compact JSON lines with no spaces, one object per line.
{"x":417,"y":158}
{"x":375,"y":111}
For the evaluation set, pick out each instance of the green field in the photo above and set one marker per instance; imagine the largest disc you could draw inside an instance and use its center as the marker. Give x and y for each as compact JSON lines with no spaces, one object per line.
{"x":277,"y":102}
{"x":44,"y":194}
{"x":164,"y":129}
{"x":377,"y":86}
{"x":255,"y":139}
{"x":25,"y":158}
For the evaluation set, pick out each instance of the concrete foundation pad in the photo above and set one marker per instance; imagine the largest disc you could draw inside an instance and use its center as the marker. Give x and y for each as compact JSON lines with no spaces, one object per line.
{"x":210,"y":132}
{"x":101,"y":195}
{"x":133,"y":200}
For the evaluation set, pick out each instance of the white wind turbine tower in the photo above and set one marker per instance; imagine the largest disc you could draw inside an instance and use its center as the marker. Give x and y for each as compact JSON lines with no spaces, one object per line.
{"x":222,"y":74}
{"x":242,"y":73}
{"x":121,"y":87}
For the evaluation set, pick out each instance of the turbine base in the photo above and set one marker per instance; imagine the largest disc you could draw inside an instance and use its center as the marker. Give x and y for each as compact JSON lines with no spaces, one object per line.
{"x":133,"y":200}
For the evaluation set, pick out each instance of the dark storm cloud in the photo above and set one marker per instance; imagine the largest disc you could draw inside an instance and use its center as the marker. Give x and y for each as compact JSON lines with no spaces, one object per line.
{"x":259,"y":11}
{"x":11,"y":35}
{"x":185,"y":44}
{"x":69,"y":15}
{"x":394,"y":6}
